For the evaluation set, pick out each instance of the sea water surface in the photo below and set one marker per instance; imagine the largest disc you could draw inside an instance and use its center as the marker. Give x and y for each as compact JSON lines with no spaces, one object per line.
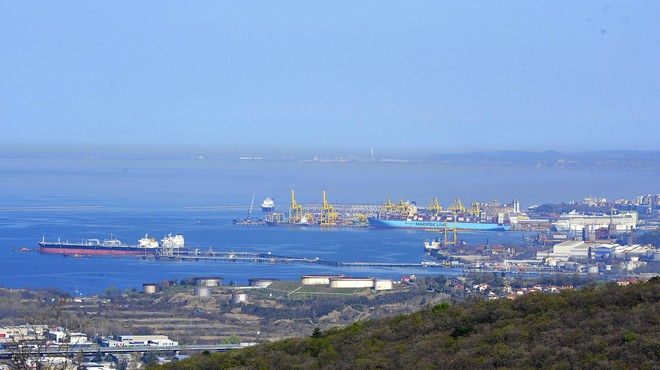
{"x":134,"y":197}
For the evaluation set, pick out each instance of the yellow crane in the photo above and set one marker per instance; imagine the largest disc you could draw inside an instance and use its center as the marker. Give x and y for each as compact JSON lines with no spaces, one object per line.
{"x":434,"y":207}
{"x":361,"y":219}
{"x":388,"y":207}
{"x":402,"y":208}
{"x":328,"y":214}
{"x":457,"y":206}
{"x":450,"y":235}
{"x":296,"y":210}
{"x":475,"y":210}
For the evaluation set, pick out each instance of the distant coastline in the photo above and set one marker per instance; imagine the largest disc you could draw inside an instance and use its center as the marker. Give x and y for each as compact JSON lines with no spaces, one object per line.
{"x":639,"y":159}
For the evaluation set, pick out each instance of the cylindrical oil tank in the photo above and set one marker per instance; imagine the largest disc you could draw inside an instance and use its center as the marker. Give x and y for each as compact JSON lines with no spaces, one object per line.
{"x":349,"y":282}
{"x":592,"y":269}
{"x":260,"y":282}
{"x":202,"y":291}
{"x":148,"y":288}
{"x":317,"y":279}
{"x":238,"y":297}
{"x":209,"y":281}
{"x":384,"y":284}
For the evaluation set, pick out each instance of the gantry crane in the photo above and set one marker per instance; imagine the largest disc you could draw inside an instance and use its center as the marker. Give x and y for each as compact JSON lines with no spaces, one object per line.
{"x":450,"y":235}
{"x":475,"y":210}
{"x":434,"y":207}
{"x":328,"y":214}
{"x":296,"y":210}
{"x":388,"y":207}
{"x":402,"y":208}
{"x":457,"y":206}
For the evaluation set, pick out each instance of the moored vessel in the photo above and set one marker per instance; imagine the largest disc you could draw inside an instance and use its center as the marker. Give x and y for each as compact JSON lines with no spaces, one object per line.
{"x":268,"y":205}
{"x":110,"y":247}
{"x":427,"y":224}
{"x":406,"y":215}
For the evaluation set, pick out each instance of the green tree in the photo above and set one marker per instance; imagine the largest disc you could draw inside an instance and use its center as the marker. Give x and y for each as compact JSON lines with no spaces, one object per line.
{"x":232,"y":339}
{"x":111,"y":291}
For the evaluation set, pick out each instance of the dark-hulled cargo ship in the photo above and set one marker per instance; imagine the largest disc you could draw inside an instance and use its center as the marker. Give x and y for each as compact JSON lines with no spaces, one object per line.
{"x":110,"y":247}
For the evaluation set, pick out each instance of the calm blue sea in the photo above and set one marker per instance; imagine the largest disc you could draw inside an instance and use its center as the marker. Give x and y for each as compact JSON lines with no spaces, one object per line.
{"x":161,"y":196}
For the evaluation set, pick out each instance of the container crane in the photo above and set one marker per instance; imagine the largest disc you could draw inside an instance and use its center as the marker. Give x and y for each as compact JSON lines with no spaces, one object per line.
{"x":475,"y":210}
{"x":457,"y":206}
{"x":388,"y":207}
{"x":296,"y":210}
{"x":402,"y":208}
{"x":328,"y":214}
{"x":434,"y":207}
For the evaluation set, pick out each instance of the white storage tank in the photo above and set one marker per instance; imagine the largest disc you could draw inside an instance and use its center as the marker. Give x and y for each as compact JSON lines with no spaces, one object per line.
{"x":149,"y":288}
{"x":202,"y":291}
{"x":349,"y":282}
{"x":209,"y":281}
{"x":260,"y":282}
{"x":592,"y":269}
{"x":317,"y":279}
{"x":238,"y":297}
{"x":384,"y":284}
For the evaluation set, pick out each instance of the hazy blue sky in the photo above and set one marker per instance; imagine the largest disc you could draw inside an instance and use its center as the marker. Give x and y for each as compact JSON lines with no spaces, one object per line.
{"x":445,"y":76}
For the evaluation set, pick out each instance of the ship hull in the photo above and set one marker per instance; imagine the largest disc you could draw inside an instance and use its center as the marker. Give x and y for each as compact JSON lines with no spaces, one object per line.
{"x":72,"y":249}
{"x":404,"y":224}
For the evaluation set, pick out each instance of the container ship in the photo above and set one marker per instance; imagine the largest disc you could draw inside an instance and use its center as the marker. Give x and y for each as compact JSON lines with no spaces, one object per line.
{"x":428,"y":224}
{"x":406,"y":215}
{"x":111,"y":247}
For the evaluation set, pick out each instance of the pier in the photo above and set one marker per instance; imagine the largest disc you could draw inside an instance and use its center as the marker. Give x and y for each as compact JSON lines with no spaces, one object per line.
{"x":259,"y":257}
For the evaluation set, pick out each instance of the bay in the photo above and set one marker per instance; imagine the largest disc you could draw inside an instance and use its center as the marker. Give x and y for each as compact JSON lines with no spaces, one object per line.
{"x":159,"y":196}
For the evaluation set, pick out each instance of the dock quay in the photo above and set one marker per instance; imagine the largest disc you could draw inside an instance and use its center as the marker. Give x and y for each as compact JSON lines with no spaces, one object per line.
{"x":260,"y":257}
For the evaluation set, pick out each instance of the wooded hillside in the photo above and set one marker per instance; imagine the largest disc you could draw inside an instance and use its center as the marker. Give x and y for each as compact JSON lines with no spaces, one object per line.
{"x":608,"y":327}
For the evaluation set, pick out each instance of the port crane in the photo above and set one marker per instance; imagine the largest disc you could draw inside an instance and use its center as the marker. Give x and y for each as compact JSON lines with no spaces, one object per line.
{"x":389,"y":207}
{"x":434,"y":207}
{"x":249,"y":215}
{"x":296,"y":210}
{"x":457,"y":206}
{"x":475,"y":210}
{"x":328,"y":214}
{"x":402,"y":208}
{"x":450,"y":235}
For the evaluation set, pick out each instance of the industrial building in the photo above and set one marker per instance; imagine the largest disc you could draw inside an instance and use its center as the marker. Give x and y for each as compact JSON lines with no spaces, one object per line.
{"x":576,"y":249}
{"x":139,"y":340}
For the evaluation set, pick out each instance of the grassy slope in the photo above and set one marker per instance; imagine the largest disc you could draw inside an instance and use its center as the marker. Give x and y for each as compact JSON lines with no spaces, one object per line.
{"x":609,"y":327}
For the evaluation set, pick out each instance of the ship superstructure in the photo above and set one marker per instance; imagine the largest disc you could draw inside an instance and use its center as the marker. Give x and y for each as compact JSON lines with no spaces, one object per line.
{"x":268,"y":205}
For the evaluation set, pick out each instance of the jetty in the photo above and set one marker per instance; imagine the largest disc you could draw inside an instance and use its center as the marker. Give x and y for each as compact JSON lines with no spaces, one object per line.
{"x":260,"y":257}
